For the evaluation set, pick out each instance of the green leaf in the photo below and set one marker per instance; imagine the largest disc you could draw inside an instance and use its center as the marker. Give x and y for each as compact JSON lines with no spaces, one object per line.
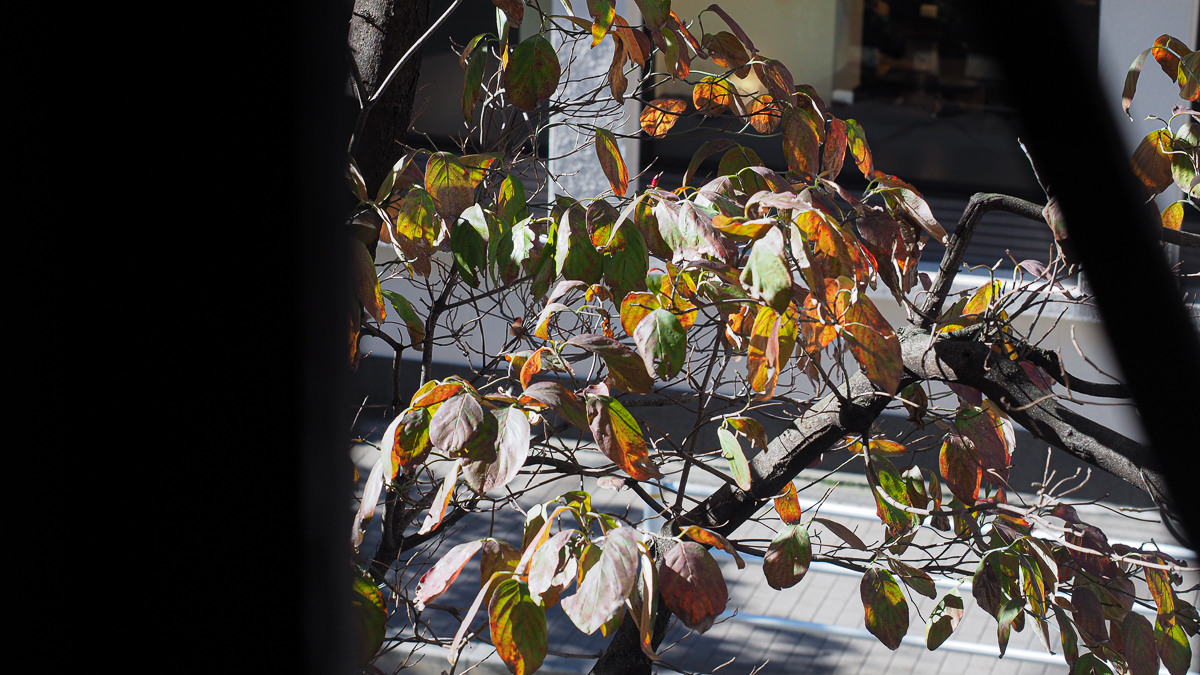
{"x":511,"y":206}
{"x":943,"y":620}
{"x":1004,"y":622}
{"x":518,"y":627}
{"x":1140,"y":645}
{"x":654,"y":12}
{"x":601,"y":595}
{"x":603,"y":13}
{"x":857,"y":142}
{"x":884,"y":606}
{"x":766,"y":275}
{"x":692,"y":586}
{"x":416,"y":228}
{"x":472,"y":82}
{"x":788,"y":557}
{"x":533,"y":72}
{"x":884,"y":475}
{"x":416,"y":327}
{"x":663,"y":343}
{"x":1070,"y":642}
{"x":449,"y":185}
{"x":1173,"y":647}
{"x":409,"y":438}
{"x":370,"y":618}
{"x":731,"y":450}
{"x":575,"y":257}
{"x":470,"y":251}
{"x":610,"y":161}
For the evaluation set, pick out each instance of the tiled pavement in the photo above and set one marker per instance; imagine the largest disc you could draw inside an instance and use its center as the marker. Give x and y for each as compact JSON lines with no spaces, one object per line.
{"x":824,"y":597}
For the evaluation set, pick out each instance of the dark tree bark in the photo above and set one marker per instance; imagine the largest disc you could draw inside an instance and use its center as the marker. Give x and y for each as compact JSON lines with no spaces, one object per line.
{"x":380,"y":32}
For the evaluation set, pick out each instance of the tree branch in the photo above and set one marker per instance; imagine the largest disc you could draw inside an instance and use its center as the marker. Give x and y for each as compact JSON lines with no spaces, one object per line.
{"x":980,"y":204}
{"x":1048,"y":361}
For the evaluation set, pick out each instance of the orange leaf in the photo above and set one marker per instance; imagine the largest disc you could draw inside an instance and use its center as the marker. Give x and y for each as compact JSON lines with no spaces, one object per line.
{"x":660,"y":115}
{"x":610,"y":161}
{"x":765,"y":114}
{"x":1172,"y":216}
{"x":533,"y":366}
{"x":708,"y":538}
{"x":712,"y":95}
{"x":787,"y":505}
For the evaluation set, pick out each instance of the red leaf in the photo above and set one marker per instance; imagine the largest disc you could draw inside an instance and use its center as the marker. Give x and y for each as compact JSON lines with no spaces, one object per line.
{"x":610,"y":161}
{"x":959,"y":463}
{"x":991,"y":437}
{"x":439,"y":577}
{"x":788,"y":557}
{"x":874,"y":344}
{"x":835,"y":149}
{"x":625,"y":366}
{"x":777,"y":78}
{"x":560,"y":400}
{"x":620,"y":438}
{"x":1088,"y":615}
{"x":884,"y":606}
{"x":692,"y":586}
{"x":602,"y":593}
{"x":801,"y":142}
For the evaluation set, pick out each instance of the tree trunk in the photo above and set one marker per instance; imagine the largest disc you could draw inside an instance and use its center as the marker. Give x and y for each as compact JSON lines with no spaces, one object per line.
{"x":380,"y":32}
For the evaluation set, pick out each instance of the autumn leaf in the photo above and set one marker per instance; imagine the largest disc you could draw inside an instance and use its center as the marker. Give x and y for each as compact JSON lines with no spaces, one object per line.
{"x":610,"y":161}
{"x":472,"y":81}
{"x":438,"y":579}
{"x":575,"y":257}
{"x":1172,"y":216}
{"x":1140,"y":645}
{"x":734,"y":160}
{"x":1131,"y":79}
{"x":659,"y":115}
{"x":727,"y":51}
{"x":882,"y":475}
{"x":712,"y":95}
{"x":706,"y":149}
{"x":559,"y":399}
{"x":788,"y":557}
{"x":366,"y":284}
{"x":514,"y":9}
{"x":692,"y":586}
{"x":437,"y":510}
{"x":532,"y":74}
{"x":455,"y":423}
{"x":1151,"y":161}
{"x":408,"y":438}
{"x":777,"y":78}
{"x":801,"y":144}
{"x":884,"y":606}
{"x":447,"y":182}
{"x":765,"y":114}
{"x":960,"y":468}
{"x":857,"y":142}
{"x":834,"y":152}
{"x":416,"y":228}
{"x":635,"y":307}
{"x":710,"y":538}
{"x":1173,"y":647}
{"x":512,"y":447}
{"x":787,"y":505}
{"x":874,"y":344}
{"x":518,"y":627}
{"x":625,"y":366}
{"x":601,"y":594}
{"x":993,"y":438}
{"x":620,"y":438}
{"x":602,"y":13}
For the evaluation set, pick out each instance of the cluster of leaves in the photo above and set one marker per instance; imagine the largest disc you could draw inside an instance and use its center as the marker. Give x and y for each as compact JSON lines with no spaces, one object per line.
{"x":1165,"y":156}
{"x":777,"y":265}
